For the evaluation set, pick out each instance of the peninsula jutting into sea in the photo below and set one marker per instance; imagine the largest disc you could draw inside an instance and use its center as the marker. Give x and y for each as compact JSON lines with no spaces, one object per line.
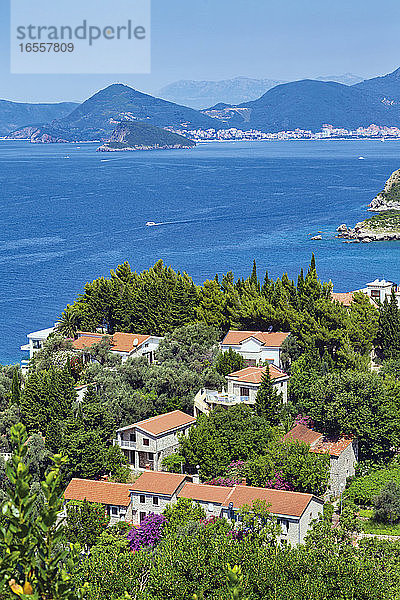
{"x":382,"y":227}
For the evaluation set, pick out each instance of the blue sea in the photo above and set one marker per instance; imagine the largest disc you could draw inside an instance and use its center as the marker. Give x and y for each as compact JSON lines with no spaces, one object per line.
{"x":69,"y":215}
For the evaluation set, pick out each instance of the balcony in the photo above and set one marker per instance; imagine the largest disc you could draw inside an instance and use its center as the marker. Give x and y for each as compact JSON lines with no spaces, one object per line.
{"x":125,"y":444}
{"x":213,"y":397}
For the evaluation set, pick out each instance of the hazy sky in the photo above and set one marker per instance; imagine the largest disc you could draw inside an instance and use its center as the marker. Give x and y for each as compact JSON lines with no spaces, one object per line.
{"x":221,"y":39}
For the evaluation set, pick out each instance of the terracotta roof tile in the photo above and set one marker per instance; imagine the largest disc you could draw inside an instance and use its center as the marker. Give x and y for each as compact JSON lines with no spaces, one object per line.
{"x":301,"y":433}
{"x":270,"y":340}
{"x":345,"y":298}
{"x":157,"y":482}
{"x":103,"y":492}
{"x":254,"y":374}
{"x":318,"y":441}
{"x":206,"y":493}
{"x":281,"y":502}
{"x":121,"y":342}
{"x":166,"y":422}
{"x":334,"y":446}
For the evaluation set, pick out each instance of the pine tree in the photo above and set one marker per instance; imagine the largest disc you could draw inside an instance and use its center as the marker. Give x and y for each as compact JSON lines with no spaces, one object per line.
{"x":268,"y":401}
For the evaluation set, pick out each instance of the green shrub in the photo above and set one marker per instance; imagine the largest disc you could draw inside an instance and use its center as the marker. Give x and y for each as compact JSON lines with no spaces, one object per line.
{"x":364,"y":489}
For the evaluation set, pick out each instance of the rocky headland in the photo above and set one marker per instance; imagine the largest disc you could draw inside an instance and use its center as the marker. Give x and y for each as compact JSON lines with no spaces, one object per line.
{"x":384,"y":226}
{"x":134,"y":135}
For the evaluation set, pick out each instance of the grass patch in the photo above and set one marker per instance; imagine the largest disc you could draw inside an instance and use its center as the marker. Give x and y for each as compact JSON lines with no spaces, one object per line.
{"x":371,"y":526}
{"x":366,"y":512}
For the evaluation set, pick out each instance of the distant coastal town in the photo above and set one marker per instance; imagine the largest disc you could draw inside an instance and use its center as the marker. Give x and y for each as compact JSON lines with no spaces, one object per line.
{"x":327,"y":132}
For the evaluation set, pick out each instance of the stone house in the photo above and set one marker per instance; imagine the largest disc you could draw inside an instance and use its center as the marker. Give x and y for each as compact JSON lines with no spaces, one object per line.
{"x":122,"y":344}
{"x":256,"y":347}
{"x":147,"y":442}
{"x":242,"y":389}
{"x":153,"y":491}
{"x":343,"y":453}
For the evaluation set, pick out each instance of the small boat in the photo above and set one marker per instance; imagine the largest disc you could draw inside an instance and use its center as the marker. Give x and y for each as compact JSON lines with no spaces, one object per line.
{"x":361,"y":158}
{"x":150,"y":223}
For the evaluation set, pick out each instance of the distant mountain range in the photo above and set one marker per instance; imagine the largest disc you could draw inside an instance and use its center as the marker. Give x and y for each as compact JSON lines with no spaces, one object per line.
{"x":200,"y":94}
{"x":96,"y":118}
{"x":305,"y":104}
{"x":308,"y":104}
{"x":18,"y":114}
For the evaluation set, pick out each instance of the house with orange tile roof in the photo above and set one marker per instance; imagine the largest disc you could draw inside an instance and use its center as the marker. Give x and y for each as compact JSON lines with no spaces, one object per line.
{"x":242,"y":387}
{"x":342,"y":450}
{"x":122,"y":344}
{"x":256,"y":347}
{"x":153,"y":491}
{"x":116,"y":497}
{"x":294,"y":511}
{"x":147,"y":442}
{"x":345,"y":298}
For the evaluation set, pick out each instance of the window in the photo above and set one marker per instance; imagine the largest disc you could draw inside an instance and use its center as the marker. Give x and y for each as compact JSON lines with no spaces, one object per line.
{"x":37,"y":344}
{"x":155,"y":500}
{"x":150,"y":455}
{"x":146,"y":441}
{"x":244,"y":391}
{"x":142,"y":499}
{"x":375,"y":294}
{"x":142,"y":516}
{"x":132,"y":437}
{"x":114,"y":511}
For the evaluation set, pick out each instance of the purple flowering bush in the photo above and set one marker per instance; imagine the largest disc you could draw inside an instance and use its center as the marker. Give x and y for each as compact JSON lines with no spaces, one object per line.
{"x":277,"y":482}
{"x":303,"y":420}
{"x":225,"y":481}
{"x":148,"y":534}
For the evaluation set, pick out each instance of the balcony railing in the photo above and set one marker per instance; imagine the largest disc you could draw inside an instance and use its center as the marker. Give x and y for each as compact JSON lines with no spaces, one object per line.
{"x":215,"y":398}
{"x":125,"y":444}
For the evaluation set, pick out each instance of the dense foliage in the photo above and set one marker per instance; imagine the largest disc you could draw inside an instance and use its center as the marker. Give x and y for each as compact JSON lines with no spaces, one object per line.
{"x":364,"y":489}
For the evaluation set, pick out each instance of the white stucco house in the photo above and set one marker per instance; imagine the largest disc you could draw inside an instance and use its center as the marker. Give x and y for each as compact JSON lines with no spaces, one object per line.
{"x":147,"y":442}
{"x":122,"y":344}
{"x":153,"y":491}
{"x":376,"y":290}
{"x":256,"y":347}
{"x":36,"y":340}
{"x":342,"y":450}
{"x":242,"y":387}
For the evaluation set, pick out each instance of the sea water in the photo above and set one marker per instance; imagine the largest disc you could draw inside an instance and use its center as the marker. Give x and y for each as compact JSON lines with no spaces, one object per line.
{"x":69,"y":215}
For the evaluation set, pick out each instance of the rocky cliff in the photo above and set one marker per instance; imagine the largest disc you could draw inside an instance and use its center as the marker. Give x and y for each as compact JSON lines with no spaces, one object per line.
{"x":389,"y":198}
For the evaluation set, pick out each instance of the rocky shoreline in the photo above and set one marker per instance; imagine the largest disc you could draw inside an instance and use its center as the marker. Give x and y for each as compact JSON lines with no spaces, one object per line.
{"x":360,"y":233}
{"x":382,"y":227}
{"x":106,"y":148}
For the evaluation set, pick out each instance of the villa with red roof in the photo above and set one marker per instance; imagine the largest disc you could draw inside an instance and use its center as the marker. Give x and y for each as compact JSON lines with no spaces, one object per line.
{"x":256,"y":347}
{"x":242,"y":387}
{"x":147,"y":442}
{"x":153,"y":491}
{"x":122,"y":344}
{"x":343,"y":453}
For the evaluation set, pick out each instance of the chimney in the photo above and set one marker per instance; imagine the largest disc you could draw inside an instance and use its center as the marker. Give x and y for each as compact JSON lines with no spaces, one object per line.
{"x":243,"y":482}
{"x":147,"y":467}
{"x":196,"y":478}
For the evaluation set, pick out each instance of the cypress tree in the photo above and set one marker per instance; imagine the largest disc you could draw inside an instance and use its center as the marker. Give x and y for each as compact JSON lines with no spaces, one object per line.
{"x":268,"y":401}
{"x":389,"y":327}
